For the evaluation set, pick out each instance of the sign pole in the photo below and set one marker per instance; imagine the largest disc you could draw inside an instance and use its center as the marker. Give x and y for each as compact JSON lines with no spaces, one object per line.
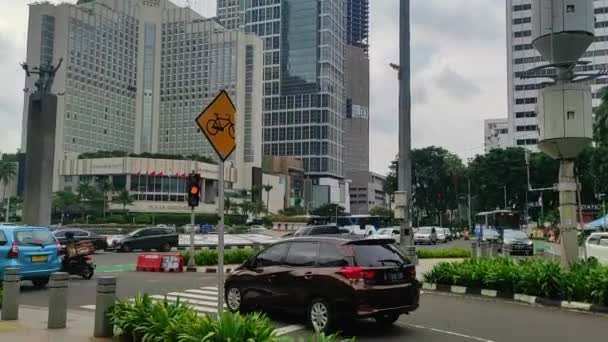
{"x":191,"y":263}
{"x":220,"y":236}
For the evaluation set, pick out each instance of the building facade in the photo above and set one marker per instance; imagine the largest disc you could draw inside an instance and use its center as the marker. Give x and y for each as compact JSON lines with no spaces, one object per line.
{"x":496,"y":134}
{"x":367,"y":192}
{"x":521,"y":56}
{"x":136,"y":73}
{"x":303,"y":85}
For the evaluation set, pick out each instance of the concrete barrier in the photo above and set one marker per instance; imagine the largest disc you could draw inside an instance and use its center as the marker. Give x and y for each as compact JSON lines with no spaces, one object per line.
{"x":58,"y":300}
{"x":11,"y":293}
{"x":105,"y":297}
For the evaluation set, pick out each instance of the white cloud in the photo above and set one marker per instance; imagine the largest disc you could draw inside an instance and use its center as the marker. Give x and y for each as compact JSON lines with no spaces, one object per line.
{"x":456,"y":40}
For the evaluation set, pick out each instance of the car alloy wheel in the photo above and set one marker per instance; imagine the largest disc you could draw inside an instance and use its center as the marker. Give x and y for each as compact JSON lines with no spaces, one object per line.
{"x":319,"y":316}
{"x":234,"y":299}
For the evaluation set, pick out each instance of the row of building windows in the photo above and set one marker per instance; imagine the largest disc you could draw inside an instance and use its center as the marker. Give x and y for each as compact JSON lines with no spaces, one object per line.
{"x":523,"y":87}
{"x":521,"y":142}
{"x":526,"y":128}
{"x":519,"y":34}
{"x":526,"y":60}
{"x":527,"y":100}
{"x":526,"y":114}
{"x":524,"y":7}
{"x":524,"y":20}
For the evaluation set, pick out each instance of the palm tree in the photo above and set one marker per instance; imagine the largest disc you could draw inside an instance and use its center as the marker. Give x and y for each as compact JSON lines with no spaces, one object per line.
{"x":257,"y":208}
{"x":246,"y":208}
{"x":125,"y":199}
{"x":105,"y":187}
{"x":64,"y":200}
{"x":85,"y":193}
{"x":8,"y":171}
{"x":267,"y":188}
{"x":227,"y":205}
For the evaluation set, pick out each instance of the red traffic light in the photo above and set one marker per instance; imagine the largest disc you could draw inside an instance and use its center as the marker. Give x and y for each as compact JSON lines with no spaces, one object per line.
{"x":194,"y":190}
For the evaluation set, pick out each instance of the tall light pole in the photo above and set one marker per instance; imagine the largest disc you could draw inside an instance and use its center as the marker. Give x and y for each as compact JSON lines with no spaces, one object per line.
{"x":505,"y":195}
{"x":469,"y":202}
{"x":405,"y":138}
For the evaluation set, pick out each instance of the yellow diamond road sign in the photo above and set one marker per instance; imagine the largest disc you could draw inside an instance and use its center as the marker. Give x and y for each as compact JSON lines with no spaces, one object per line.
{"x":217,"y":122}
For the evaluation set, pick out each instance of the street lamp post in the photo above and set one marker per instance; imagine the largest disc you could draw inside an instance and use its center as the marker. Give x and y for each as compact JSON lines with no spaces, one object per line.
{"x":469,"y":202}
{"x":505,"y":195}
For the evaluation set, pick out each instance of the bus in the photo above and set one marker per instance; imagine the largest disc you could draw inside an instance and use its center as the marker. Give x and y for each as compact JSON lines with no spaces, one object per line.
{"x":498,"y":220}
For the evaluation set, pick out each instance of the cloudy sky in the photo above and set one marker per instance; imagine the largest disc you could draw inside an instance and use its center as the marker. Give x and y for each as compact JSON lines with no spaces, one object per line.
{"x":458,"y":73}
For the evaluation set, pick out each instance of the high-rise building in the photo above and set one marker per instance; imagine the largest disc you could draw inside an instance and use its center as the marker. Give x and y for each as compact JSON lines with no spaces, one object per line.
{"x":228,"y":13}
{"x":136,"y":73}
{"x":521,"y":56}
{"x":357,"y":23}
{"x":496,"y":134}
{"x":304,"y":85}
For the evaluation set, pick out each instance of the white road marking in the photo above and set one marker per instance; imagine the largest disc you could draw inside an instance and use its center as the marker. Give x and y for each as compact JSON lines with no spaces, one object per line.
{"x":88,"y":307}
{"x":474,"y":338}
{"x":289,"y":329}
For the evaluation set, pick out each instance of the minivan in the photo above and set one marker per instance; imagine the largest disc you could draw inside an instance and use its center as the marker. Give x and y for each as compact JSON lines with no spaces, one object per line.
{"x":329,"y":279}
{"x":33,"y":250}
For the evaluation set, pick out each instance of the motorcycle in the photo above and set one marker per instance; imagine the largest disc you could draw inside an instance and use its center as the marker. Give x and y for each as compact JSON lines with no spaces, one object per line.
{"x":81,"y":265}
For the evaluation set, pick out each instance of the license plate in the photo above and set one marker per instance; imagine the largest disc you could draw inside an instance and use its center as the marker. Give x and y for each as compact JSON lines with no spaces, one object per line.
{"x":40,"y":258}
{"x":395,"y":276}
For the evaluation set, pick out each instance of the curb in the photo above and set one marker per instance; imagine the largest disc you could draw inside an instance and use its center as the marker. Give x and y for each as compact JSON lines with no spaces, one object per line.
{"x":522,"y":298}
{"x":214,"y":247}
{"x":211,"y":269}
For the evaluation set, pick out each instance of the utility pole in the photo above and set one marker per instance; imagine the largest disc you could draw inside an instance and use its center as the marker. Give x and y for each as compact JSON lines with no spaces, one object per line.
{"x":405,"y":138}
{"x":469,"y":203}
{"x":505,"y":194}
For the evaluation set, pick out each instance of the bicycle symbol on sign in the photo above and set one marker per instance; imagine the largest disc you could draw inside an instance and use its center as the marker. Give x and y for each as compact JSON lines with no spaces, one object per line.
{"x":219,"y":124}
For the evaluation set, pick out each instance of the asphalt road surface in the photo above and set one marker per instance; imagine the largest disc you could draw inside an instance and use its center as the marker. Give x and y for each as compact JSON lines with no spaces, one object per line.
{"x":460,"y":243}
{"x":441,"y":317}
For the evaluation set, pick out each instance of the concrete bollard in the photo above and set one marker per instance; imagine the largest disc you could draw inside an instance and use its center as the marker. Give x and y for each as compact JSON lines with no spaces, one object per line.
{"x":257,"y":246}
{"x":58,"y":300}
{"x":494,"y":246}
{"x":11,"y":293}
{"x":540,"y":253}
{"x":473,"y":249}
{"x":106,"y":295}
{"x":485,"y":249}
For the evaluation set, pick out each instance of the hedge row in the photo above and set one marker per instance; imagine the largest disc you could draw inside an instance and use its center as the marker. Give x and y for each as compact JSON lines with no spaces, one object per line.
{"x":443,"y":253}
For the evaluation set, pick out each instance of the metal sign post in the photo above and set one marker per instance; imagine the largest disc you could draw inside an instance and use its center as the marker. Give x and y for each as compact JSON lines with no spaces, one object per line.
{"x":191,"y":263}
{"x":217,"y":122}
{"x":220,"y":240}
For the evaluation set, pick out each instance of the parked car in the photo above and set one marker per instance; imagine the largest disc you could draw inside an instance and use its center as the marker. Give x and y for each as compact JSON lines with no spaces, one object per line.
{"x":33,"y":250}
{"x":100,"y":242}
{"x":516,"y":242}
{"x":160,"y":239}
{"x":320,"y":230}
{"x":426,"y":235}
{"x":393,"y":232}
{"x":329,"y":278}
{"x":597,"y":247}
{"x":442,"y":235}
{"x":257,"y":229}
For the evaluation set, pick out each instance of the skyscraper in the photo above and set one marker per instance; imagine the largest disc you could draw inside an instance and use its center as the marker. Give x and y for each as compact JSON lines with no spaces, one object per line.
{"x":304,"y":84}
{"x":136,"y":73}
{"x":521,"y":56}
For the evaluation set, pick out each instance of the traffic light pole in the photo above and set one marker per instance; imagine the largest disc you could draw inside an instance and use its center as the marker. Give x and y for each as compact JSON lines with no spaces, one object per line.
{"x":220,"y":242}
{"x":191,"y":263}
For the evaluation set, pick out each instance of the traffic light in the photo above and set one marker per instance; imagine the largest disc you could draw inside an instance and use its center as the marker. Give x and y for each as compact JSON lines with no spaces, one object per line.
{"x":194,"y":189}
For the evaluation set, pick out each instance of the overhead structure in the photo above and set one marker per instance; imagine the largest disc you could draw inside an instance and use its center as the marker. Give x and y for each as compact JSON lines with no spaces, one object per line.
{"x":562,"y":30}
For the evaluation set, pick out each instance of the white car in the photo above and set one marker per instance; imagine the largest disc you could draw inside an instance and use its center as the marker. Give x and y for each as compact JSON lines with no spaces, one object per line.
{"x":597,"y":247}
{"x":392,"y":232}
{"x":442,"y":235}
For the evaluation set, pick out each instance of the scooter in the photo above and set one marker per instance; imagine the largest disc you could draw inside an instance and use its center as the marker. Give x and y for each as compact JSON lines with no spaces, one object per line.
{"x":79,"y":265}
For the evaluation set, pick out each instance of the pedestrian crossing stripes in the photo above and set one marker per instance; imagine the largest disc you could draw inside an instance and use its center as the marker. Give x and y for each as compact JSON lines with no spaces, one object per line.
{"x":203,"y":300}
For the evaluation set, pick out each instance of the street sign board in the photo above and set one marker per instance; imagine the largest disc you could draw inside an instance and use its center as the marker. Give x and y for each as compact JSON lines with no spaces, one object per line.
{"x":217,"y":122}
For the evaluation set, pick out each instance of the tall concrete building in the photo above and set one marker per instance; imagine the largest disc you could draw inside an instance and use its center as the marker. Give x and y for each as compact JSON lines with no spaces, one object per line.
{"x":521,"y":56}
{"x":496,"y":134}
{"x":304,"y":85}
{"x":136,"y":73}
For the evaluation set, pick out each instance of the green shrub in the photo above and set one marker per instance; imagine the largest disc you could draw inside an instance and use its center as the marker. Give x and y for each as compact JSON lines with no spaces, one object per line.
{"x":587,"y":281}
{"x":208,"y":257}
{"x":443,"y":253}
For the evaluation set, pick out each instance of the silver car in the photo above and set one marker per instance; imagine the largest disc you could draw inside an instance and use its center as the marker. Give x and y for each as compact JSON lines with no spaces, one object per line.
{"x":426,"y":235}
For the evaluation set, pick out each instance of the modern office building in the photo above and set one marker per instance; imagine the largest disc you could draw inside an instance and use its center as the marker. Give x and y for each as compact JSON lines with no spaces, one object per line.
{"x":357,"y":23}
{"x":303,"y":85}
{"x":521,"y":56}
{"x":369,"y":195}
{"x":136,"y":73}
{"x":496,"y":134}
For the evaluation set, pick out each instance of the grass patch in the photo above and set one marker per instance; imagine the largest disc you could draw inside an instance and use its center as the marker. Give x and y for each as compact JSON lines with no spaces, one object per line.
{"x":443,"y":253}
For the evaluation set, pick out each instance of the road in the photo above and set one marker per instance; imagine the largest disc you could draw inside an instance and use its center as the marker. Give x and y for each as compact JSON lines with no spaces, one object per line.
{"x":441,"y":317}
{"x":450,"y":244}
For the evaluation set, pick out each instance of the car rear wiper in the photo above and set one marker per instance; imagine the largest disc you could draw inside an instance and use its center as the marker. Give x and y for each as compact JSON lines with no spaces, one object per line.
{"x":35,"y":244}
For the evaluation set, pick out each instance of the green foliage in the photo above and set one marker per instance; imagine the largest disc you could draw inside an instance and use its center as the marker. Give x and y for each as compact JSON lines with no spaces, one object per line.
{"x":587,"y":281}
{"x":122,"y":154}
{"x":329,"y":210}
{"x":124,"y":198}
{"x":282,"y":218}
{"x":443,"y":253}
{"x":208,"y":257}
{"x":64,"y":200}
{"x":600,"y":126}
{"x":292,"y":211}
{"x":379,"y":211}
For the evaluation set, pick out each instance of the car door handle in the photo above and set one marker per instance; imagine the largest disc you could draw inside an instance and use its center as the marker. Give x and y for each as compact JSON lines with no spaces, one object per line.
{"x":308,"y":275}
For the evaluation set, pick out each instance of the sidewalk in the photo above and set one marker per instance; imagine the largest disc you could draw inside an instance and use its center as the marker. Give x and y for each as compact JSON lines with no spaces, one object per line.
{"x":31,"y":327}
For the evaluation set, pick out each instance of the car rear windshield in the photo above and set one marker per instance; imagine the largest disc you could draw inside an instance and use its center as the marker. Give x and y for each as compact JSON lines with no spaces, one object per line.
{"x":378,"y":256}
{"x":3,"y":240}
{"x":425,"y":230}
{"x":34,"y":237}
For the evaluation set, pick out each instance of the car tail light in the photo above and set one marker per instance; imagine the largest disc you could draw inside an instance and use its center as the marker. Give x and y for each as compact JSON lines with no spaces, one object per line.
{"x":58,"y":247}
{"x":88,"y":257}
{"x":14,"y":252}
{"x":411,"y":271}
{"x":356,"y":273}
